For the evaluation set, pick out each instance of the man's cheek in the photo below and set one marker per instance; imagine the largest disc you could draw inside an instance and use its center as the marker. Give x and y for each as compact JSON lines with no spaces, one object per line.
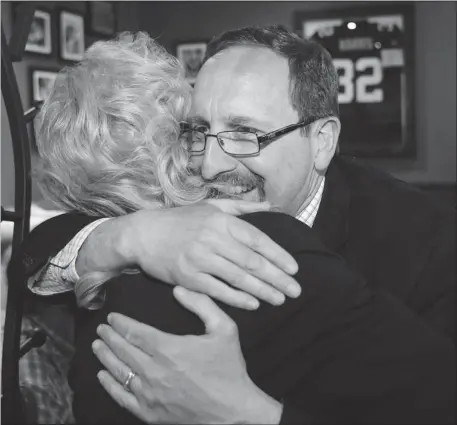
{"x":275,"y":194}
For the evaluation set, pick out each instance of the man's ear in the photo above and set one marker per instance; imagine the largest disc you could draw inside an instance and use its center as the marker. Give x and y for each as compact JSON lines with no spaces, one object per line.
{"x":325,"y":135}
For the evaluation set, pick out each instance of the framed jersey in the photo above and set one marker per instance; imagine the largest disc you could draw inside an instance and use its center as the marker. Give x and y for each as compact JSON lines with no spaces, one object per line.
{"x":372,"y":49}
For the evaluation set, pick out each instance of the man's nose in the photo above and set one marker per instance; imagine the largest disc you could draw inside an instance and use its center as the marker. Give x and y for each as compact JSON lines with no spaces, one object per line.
{"x":215,"y":160}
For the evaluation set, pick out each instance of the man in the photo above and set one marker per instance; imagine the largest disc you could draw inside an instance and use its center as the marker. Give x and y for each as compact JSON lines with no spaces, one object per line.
{"x":262,"y":81}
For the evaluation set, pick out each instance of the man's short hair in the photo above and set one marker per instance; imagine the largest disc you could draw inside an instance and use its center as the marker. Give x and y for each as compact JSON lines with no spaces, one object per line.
{"x":313,"y":77}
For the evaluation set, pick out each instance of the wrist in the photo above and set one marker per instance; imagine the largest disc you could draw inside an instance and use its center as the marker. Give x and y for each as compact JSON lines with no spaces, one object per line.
{"x":105,"y":249}
{"x":133,"y":237}
{"x":126,"y":240}
{"x":262,"y":409}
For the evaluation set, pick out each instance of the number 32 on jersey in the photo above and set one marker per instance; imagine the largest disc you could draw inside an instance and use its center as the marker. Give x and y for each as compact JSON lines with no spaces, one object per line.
{"x":360,"y":88}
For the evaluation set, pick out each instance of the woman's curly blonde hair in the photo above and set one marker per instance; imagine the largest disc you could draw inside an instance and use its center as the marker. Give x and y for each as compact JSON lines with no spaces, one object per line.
{"x":108,"y":136}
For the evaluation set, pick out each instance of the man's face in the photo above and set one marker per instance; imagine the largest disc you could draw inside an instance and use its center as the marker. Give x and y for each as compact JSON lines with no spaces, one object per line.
{"x":247,"y":89}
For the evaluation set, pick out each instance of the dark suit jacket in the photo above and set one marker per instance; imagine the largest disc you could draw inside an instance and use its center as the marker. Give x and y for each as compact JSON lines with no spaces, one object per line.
{"x":399,"y":238}
{"x":403,"y":245}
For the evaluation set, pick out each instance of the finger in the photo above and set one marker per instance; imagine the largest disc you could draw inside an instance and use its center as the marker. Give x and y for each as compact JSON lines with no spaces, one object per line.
{"x":118,"y":370}
{"x":215,"y":319}
{"x":140,"y":335}
{"x":122,"y":397}
{"x":133,"y":357}
{"x":243,"y":280}
{"x":249,"y":235}
{"x":221,"y":291}
{"x":238,"y":207}
{"x":265,"y":275}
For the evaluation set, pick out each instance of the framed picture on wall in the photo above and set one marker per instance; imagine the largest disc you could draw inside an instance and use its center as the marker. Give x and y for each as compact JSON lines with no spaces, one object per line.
{"x":42,"y":81}
{"x":39,"y":39}
{"x":41,"y":84}
{"x":373,"y":52}
{"x":191,"y":56}
{"x":72,"y":41}
{"x":102,"y":18}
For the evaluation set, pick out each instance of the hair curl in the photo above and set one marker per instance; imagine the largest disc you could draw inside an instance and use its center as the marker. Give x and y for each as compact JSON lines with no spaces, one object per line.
{"x":108,"y":136}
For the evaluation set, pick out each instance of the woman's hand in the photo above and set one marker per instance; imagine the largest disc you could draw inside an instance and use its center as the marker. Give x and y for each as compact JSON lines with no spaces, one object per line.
{"x":182,"y":379}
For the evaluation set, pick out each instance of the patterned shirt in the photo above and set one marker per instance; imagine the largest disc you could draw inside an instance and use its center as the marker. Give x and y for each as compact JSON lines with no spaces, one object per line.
{"x":309,"y":213}
{"x":43,"y":370}
{"x":59,"y":274}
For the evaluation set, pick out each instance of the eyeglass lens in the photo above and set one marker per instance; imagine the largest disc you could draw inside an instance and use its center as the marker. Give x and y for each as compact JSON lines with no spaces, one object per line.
{"x":232,"y":142}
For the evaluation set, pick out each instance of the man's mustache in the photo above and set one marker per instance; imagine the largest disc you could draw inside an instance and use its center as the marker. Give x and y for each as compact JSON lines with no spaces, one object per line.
{"x":218,"y":187}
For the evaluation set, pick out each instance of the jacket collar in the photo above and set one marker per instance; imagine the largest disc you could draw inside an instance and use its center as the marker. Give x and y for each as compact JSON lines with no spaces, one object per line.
{"x":332,"y":220}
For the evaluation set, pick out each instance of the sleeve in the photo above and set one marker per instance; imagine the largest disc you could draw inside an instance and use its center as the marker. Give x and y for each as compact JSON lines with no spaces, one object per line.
{"x":383,"y":365}
{"x":417,"y":341}
{"x":45,"y":242}
{"x":292,"y":415}
{"x":59,"y":275}
{"x":435,"y":290}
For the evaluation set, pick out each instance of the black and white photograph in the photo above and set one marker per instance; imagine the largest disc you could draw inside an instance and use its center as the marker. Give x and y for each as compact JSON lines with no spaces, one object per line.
{"x":191,"y":56}
{"x":72,"y":40}
{"x":250,"y":214}
{"x":102,"y":18}
{"x":39,"y":39}
{"x":42,"y":84}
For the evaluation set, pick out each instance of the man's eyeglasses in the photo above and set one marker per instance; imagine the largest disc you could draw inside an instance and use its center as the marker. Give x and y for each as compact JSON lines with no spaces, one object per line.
{"x":236,"y":143}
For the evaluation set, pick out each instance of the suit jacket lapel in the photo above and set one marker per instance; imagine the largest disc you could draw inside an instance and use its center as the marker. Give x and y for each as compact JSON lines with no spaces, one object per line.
{"x":332,"y":220}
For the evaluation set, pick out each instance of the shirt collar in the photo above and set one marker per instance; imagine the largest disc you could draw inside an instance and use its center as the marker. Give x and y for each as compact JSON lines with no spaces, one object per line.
{"x":309,"y":213}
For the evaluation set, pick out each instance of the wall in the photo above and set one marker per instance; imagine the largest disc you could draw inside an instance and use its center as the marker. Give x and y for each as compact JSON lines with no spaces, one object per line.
{"x":183,"y":21}
{"x":435,"y":66}
{"x":127,"y":19}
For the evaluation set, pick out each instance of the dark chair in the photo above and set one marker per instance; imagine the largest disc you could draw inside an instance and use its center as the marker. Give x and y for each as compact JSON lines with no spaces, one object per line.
{"x":13,"y":402}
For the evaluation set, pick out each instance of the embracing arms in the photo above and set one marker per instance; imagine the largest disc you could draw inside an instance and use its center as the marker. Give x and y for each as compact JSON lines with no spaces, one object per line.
{"x":191,"y":246}
{"x":302,"y":412}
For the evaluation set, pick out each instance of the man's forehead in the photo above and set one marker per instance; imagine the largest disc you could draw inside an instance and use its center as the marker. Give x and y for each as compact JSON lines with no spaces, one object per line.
{"x":232,"y":120}
{"x":237,"y":108}
{"x":241,"y":62}
{"x":247,"y":82}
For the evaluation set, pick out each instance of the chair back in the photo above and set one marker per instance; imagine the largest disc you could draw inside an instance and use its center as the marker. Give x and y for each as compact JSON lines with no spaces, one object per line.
{"x":12,"y":405}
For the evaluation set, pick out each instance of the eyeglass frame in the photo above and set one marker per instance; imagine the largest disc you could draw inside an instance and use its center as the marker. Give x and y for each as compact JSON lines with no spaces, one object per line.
{"x":262,"y":141}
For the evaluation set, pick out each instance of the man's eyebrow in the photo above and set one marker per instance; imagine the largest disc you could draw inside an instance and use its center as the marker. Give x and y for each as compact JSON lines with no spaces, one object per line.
{"x":234,"y":120}
{"x":230,"y":121}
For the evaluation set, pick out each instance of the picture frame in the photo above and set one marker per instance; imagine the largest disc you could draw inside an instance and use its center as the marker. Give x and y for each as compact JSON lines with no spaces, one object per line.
{"x":372,"y":46}
{"x":42,"y":80}
{"x":191,"y":55}
{"x":40,"y":36}
{"x":71,"y":36}
{"x":41,"y":83}
{"x":102,"y":19}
